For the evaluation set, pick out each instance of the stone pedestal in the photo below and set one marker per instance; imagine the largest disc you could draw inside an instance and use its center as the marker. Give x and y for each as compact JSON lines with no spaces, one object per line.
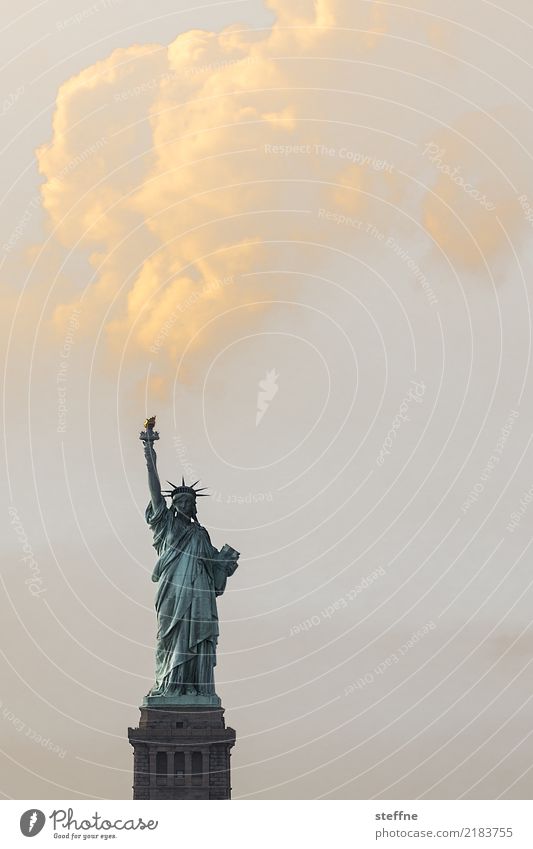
{"x":181,"y":752}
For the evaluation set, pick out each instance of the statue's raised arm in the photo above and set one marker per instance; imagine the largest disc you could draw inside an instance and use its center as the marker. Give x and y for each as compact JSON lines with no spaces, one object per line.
{"x":148,"y":437}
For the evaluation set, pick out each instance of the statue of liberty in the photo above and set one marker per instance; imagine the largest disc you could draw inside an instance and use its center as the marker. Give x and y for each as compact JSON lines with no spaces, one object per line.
{"x":190,"y":573}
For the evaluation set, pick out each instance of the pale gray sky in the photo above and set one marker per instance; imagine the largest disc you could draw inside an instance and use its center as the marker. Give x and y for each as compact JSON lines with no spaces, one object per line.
{"x":330,"y":208}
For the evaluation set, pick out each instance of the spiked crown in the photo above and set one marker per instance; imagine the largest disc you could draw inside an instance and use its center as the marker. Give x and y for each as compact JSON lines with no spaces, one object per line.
{"x":190,"y":490}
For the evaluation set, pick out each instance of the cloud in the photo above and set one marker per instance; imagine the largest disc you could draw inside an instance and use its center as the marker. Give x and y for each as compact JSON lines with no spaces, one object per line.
{"x":175,"y":168}
{"x":471,"y":206}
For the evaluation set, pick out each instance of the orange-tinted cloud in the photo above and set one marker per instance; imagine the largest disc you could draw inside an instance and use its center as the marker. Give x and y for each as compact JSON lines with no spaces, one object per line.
{"x":471,"y":205}
{"x":178,"y":171}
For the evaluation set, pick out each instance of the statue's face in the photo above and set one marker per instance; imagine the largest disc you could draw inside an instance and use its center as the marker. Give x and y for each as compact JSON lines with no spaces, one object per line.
{"x":185,"y":503}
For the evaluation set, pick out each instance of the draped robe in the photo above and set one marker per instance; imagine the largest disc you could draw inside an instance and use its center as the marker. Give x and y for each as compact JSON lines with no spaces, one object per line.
{"x":190,"y":575}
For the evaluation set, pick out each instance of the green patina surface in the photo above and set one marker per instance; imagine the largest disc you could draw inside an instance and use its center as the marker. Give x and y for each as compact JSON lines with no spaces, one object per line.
{"x":191,"y":573}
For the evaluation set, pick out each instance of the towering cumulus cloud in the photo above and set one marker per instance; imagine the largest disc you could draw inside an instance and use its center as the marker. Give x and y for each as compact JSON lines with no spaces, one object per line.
{"x":178,"y":172}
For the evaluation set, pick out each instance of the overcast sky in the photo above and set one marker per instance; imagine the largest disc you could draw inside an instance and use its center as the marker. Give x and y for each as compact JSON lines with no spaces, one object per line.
{"x":300,"y":234}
